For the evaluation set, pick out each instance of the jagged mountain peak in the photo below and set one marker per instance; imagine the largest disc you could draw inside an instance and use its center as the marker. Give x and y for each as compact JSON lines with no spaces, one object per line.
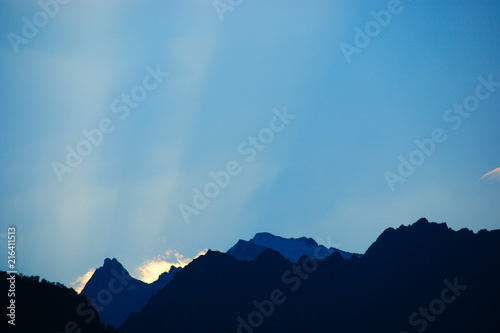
{"x":264,"y":234}
{"x":407,"y":268}
{"x":409,"y":241}
{"x":269,"y":255}
{"x":245,"y":250}
{"x":128,"y":294}
{"x":261,"y":237}
{"x":290,"y":248}
{"x":421,"y":220}
{"x":110,"y":264}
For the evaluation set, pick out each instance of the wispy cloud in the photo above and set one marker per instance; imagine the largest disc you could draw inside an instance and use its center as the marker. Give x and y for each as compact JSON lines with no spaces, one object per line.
{"x":492,"y":175}
{"x":151,"y":269}
{"x":81,"y":281}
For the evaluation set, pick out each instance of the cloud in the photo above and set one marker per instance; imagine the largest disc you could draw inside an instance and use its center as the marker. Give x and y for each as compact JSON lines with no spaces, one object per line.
{"x":492,"y":175}
{"x":151,"y":269}
{"x":81,"y":281}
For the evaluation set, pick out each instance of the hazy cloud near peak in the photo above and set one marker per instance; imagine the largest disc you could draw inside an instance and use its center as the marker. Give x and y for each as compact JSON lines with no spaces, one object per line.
{"x":152,"y":269}
{"x":80,"y":282}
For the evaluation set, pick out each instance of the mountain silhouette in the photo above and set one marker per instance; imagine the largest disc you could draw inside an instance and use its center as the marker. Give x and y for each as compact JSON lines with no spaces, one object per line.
{"x":116,"y":294}
{"x":419,"y":278}
{"x":213,"y":284}
{"x":42,"y":306}
{"x":245,"y":250}
{"x":290,"y":248}
{"x":132,"y":294}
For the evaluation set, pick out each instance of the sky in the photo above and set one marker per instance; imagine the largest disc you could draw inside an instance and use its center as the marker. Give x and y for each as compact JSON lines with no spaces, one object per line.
{"x":151,"y":131}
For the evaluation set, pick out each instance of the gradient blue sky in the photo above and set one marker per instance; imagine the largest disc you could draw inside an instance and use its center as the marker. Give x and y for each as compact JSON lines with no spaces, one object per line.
{"x":321,"y":176}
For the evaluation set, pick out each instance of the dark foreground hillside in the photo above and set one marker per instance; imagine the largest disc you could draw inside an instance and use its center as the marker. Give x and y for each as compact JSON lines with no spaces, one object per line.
{"x":419,"y":278}
{"x":44,"y":307}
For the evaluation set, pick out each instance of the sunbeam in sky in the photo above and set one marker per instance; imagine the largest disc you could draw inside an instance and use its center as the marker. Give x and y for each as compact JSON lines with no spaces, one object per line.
{"x":145,"y":107}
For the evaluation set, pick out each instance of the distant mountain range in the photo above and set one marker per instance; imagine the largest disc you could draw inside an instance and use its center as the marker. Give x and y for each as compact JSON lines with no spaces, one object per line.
{"x":419,"y":278}
{"x":290,"y":248}
{"x":423,"y":277}
{"x":116,"y":294}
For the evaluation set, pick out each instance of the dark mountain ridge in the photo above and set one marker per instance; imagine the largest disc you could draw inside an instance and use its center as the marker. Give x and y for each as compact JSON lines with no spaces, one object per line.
{"x":116,"y":303}
{"x":116,"y":294}
{"x":422,"y":277}
{"x":290,"y":248}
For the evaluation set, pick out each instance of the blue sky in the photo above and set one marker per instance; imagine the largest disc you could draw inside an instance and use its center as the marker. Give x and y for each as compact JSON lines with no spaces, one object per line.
{"x":323,"y":175}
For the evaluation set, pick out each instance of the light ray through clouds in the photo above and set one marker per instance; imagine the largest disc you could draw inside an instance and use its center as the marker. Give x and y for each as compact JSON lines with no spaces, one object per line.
{"x":323,"y":175}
